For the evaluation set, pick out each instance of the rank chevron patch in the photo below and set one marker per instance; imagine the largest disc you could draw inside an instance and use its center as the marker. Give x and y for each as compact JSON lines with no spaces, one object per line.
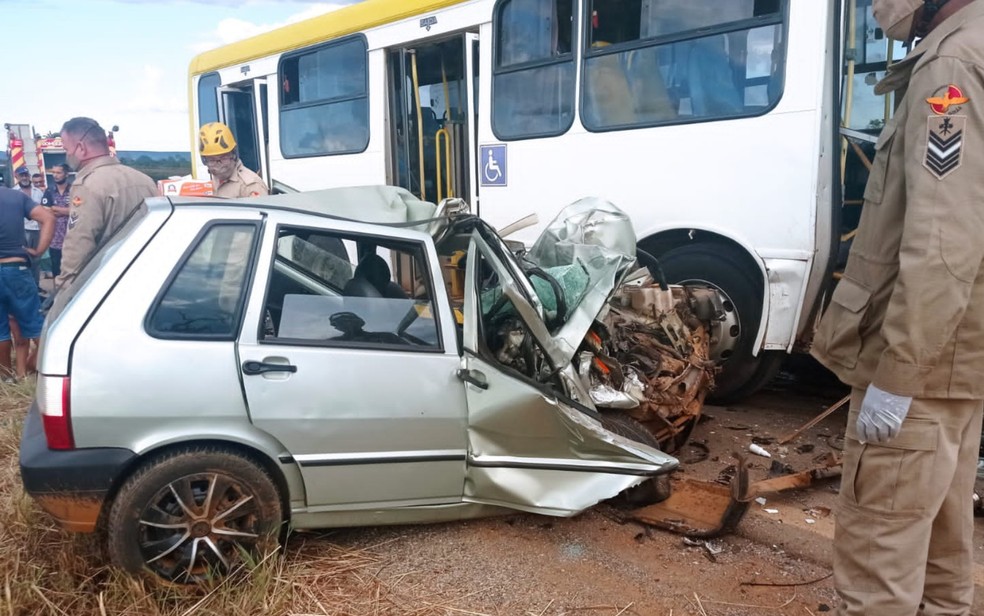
{"x":944,"y":144}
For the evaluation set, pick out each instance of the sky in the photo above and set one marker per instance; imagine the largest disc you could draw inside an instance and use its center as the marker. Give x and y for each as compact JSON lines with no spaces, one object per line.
{"x":122,"y":62}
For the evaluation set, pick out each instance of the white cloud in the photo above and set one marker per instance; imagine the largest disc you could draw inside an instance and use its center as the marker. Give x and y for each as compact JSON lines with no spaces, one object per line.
{"x":232,"y":29}
{"x":151,"y":96}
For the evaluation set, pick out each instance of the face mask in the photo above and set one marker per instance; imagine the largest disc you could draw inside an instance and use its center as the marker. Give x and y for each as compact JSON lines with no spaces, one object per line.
{"x":890,"y":11}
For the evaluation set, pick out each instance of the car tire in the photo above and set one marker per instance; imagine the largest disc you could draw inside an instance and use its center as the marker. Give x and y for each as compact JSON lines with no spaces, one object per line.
{"x":191,"y":515}
{"x":655,"y":489}
{"x":719,"y":265}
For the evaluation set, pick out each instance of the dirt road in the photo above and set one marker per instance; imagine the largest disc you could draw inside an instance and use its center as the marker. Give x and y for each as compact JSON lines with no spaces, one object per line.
{"x":594,"y":564}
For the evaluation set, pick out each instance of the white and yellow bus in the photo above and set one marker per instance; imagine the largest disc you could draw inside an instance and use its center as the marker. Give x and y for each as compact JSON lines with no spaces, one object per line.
{"x":713,"y":123}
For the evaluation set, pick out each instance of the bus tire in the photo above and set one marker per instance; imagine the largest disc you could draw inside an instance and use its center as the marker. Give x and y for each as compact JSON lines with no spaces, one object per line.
{"x":720,"y":265}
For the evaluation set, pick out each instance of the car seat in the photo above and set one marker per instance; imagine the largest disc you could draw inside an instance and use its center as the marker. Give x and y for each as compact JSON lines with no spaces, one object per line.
{"x":372,"y":279}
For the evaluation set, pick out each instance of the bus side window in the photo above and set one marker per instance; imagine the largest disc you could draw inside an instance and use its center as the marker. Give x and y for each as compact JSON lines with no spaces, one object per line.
{"x":324,"y":102}
{"x":663,"y":61}
{"x":533,"y":77}
{"x":208,"y":98}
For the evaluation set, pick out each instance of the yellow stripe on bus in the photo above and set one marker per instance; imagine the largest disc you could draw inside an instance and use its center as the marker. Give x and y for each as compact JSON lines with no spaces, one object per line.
{"x":354,"y":18}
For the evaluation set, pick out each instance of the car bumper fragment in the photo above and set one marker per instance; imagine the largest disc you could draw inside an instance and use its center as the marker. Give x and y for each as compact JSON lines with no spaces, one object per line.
{"x":72,"y":485}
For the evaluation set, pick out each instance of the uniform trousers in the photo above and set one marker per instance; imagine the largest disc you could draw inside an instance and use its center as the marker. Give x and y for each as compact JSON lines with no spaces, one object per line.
{"x":904,"y":528}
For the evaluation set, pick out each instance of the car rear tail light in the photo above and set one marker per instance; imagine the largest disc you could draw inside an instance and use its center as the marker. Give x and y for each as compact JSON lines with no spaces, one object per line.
{"x":53,"y":397}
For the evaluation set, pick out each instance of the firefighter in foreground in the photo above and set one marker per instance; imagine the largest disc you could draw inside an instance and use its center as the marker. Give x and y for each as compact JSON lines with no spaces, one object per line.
{"x":905,"y":328}
{"x":219,"y":153}
{"x":104,"y":194}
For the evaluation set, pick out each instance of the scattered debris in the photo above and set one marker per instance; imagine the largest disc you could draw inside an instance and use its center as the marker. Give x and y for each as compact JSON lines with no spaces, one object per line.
{"x":711,"y":549}
{"x":778,"y":469}
{"x":817,"y":512}
{"x":761,"y":500}
{"x":805,"y":583}
{"x":795,"y":433}
{"x":757,"y":450}
{"x":805,"y":448}
{"x":829,"y":467}
{"x":771,"y":510}
{"x":693,"y":452}
{"x":810,"y":521}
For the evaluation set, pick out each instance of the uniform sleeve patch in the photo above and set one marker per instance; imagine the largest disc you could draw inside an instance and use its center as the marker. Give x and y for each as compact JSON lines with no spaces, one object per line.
{"x":946,"y":97}
{"x":944,"y":144}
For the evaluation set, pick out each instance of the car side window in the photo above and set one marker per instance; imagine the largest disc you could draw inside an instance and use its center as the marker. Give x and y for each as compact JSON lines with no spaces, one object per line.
{"x":349,"y":290}
{"x":203,"y":298}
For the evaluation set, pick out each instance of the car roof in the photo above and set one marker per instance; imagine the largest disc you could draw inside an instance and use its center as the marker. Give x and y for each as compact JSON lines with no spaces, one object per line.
{"x":390,"y":205}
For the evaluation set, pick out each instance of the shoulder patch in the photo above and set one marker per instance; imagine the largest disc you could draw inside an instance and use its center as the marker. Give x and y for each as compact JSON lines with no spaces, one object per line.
{"x":945,"y":97}
{"x":944,"y":144}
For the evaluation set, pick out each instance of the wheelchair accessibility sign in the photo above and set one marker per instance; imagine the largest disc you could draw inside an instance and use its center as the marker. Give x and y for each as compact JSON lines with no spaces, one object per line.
{"x":492,"y":164}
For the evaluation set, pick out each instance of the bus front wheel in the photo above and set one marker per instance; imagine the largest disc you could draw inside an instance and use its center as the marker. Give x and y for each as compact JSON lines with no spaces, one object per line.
{"x":720,"y":266}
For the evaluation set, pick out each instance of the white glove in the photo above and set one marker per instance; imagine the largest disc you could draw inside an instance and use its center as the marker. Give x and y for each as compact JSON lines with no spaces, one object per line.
{"x":881,"y":415}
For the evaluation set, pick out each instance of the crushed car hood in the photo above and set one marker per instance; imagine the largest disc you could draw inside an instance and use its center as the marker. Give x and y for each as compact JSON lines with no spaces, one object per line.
{"x":589,"y":247}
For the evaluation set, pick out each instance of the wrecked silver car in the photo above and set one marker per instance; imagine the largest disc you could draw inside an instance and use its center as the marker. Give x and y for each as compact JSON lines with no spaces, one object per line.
{"x":351,"y":357}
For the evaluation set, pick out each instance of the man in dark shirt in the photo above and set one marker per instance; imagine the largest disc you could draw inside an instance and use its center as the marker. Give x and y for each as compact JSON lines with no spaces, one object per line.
{"x":56,"y":199}
{"x":18,"y":290}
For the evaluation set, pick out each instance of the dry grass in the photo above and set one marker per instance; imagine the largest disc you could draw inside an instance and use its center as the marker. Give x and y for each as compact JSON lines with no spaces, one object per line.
{"x":44,"y":570}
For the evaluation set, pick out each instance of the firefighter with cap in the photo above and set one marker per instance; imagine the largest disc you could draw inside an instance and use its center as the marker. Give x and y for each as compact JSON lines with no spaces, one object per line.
{"x":104,"y":194}
{"x":219,"y":153}
{"x":905,"y":328}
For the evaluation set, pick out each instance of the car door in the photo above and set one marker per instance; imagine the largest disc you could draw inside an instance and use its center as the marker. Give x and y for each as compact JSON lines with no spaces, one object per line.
{"x":370,"y":419}
{"x":528,"y":447}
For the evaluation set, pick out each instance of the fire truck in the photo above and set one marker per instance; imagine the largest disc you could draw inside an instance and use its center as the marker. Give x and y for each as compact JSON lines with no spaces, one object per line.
{"x":37,"y":153}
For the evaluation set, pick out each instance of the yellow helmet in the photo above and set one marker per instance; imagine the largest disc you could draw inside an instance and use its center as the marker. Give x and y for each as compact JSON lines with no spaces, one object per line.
{"x":215,"y":139}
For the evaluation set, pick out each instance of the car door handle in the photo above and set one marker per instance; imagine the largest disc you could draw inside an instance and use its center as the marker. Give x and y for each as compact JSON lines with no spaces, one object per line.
{"x":258,"y":367}
{"x":474,"y":377}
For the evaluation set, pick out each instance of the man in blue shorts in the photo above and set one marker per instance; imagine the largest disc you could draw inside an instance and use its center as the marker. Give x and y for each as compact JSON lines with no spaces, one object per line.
{"x":18,"y":290}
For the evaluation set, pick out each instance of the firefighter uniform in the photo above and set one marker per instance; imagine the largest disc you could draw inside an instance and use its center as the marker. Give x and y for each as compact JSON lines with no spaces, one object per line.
{"x":908,"y":317}
{"x":243,"y":183}
{"x":104,"y":194}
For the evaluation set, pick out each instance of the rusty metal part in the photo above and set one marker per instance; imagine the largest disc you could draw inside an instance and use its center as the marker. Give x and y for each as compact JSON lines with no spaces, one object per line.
{"x":700,"y":508}
{"x":654,"y":333}
{"x":74,"y":513}
{"x":792,"y":435}
{"x":829,"y":467}
{"x":708,"y":509}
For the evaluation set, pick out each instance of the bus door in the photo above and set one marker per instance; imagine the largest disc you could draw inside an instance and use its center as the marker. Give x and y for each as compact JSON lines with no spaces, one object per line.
{"x":432,"y":118}
{"x":243,"y":109}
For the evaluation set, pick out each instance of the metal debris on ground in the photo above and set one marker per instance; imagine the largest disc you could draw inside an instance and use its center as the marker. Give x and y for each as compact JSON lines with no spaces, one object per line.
{"x":700,"y":508}
{"x":795,"y":433}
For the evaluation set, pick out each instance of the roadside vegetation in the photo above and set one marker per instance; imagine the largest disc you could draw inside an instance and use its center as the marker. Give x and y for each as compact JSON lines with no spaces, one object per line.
{"x":44,"y":570}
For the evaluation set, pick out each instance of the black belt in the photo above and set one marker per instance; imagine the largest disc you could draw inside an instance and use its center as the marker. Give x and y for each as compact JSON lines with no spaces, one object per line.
{"x":14,"y":264}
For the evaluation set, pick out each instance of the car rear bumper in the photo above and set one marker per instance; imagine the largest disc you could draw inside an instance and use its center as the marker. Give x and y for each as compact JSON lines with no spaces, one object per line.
{"x":71,"y":486}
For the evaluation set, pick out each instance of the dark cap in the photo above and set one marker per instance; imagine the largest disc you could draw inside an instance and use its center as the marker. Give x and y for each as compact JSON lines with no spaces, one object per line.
{"x":23,"y":171}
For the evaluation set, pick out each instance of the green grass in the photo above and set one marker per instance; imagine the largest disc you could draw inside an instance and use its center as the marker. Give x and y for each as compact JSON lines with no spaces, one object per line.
{"x":44,"y":570}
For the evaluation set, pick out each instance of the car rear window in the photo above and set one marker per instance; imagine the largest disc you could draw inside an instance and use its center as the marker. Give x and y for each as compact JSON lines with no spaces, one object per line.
{"x":204,"y":296}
